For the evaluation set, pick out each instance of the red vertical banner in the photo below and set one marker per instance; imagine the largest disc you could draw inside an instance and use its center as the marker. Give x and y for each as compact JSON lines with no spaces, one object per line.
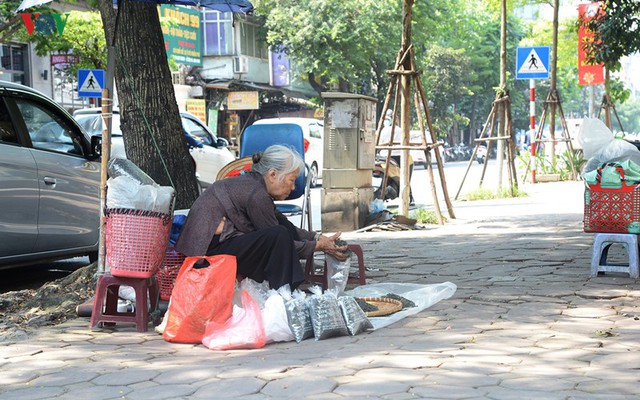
{"x":588,"y":74}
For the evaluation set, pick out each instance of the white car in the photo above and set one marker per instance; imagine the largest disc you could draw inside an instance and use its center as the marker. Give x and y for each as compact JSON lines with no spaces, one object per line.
{"x":418,"y":155}
{"x":313,"y":130}
{"x":209,"y":158}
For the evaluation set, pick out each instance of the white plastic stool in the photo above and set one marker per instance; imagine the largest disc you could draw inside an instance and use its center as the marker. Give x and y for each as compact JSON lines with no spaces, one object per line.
{"x":601,"y":245}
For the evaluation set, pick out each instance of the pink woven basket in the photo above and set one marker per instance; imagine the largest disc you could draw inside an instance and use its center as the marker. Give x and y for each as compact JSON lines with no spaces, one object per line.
{"x":135,"y":241}
{"x":168,"y":272}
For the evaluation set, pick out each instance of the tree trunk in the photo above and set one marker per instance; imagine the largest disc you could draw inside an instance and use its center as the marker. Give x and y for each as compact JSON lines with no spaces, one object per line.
{"x":502,"y":123}
{"x":552,"y":88}
{"x":150,"y":119}
{"x":472,"y":121}
{"x":311,"y":78}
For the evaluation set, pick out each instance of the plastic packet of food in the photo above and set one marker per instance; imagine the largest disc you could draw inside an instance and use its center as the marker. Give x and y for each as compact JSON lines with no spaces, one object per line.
{"x":297,"y":313}
{"x":355,"y":319}
{"x":326,"y":315}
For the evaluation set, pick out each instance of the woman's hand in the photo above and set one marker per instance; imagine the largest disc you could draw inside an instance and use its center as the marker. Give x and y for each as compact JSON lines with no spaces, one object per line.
{"x":328,"y":245}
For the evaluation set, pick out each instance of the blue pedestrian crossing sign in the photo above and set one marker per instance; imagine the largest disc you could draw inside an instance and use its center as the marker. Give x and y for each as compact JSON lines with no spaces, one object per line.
{"x":532,"y":62}
{"x":90,"y":82}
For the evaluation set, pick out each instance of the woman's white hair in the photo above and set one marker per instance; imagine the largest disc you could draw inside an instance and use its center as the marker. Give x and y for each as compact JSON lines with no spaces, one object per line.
{"x":283,"y":159}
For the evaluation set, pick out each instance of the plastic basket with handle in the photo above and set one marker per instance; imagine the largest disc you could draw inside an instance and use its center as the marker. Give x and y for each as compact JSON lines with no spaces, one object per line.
{"x":614,"y":210}
{"x":168,"y":271}
{"x":135,"y":241}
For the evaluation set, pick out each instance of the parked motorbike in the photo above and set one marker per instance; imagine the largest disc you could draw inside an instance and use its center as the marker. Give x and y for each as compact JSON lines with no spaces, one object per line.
{"x":481,"y":154}
{"x":392,"y":190}
{"x":463,"y":152}
{"x":450,"y":153}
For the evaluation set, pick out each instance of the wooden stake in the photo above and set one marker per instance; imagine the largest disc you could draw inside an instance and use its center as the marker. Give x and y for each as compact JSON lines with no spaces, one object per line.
{"x":105,"y":155}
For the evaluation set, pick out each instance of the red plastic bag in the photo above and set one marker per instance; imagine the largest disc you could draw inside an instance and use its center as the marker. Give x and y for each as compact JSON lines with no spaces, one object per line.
{"x":200,"y":295}
{"x":244,"y":330}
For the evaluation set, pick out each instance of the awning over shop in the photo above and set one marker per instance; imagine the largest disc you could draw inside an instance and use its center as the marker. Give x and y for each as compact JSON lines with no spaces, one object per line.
{"x":291,"y":96}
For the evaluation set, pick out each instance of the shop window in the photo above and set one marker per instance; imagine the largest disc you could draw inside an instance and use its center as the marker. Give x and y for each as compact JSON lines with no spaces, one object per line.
{"x":217,"y":32}
{"x":251,"y":43}
{"x":12,"y":60}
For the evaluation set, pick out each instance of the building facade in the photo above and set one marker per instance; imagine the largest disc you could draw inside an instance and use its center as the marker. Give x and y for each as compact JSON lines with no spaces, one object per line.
{"x":233,"y":63}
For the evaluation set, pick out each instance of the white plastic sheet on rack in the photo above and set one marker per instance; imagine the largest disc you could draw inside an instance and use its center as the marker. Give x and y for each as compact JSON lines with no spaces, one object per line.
{"x":424,"y":296}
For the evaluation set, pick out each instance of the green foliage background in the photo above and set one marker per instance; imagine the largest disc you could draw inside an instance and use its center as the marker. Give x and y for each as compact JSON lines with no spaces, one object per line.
{"x":350,"y":44}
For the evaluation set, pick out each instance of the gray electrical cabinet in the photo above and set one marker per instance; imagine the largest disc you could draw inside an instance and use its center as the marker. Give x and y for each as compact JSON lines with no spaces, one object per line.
{"x":349,"y":155}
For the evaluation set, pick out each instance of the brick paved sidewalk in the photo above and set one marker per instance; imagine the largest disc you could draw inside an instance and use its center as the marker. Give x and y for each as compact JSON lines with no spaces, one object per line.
{"x":527,"y":322}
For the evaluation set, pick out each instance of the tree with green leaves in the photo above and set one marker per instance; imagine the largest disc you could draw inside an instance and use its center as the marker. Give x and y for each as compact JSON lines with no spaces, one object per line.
{"x":477,"y":31}
{"x":446,"y":72}
{"x":629,"y":113}
{"x":10,"y":22}
{"x":79,"y":36}
{"x":615,"y":32}
{"x":350,"y":44}
{"x":572,"y":95}
{"x":345,"y":43}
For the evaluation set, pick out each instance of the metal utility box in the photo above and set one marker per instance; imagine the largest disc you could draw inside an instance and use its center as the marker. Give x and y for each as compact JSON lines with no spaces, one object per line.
{"x":349,"y":155}
{"x":349,"y":131}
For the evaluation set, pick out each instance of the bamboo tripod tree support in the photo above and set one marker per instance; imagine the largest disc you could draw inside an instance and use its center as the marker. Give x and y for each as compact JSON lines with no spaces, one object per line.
{"x":402,"y":76}
{"x":500,"y":110}
{"x":607,"y":105}
{"x":553,"y":100}
{"x":399,"y":92}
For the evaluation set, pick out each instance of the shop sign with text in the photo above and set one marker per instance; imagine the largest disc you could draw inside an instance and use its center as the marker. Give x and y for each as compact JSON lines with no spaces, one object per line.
{"x":182,"y":37}
{"x":243,"y":101}
{"x":198,"y":108}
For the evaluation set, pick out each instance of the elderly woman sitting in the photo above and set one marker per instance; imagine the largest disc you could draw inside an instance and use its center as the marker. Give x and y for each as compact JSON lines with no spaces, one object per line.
{"x":237,"y":216}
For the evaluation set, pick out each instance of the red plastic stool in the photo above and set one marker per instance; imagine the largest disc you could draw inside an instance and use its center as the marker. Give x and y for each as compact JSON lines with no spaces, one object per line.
{"x":105,"y":304}
{"x":311,"y":276}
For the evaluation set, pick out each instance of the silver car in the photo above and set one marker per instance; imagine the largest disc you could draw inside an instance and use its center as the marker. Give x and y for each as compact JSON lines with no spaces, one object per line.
{"x":49,"y":181}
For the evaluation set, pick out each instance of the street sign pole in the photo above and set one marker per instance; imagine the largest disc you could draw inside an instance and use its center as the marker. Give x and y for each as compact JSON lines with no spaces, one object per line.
{"x":532,"y":63}
{"x":532,"y":127}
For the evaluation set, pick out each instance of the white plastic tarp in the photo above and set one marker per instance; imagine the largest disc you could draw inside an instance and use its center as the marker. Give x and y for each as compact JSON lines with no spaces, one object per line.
{"x":424,"y":296}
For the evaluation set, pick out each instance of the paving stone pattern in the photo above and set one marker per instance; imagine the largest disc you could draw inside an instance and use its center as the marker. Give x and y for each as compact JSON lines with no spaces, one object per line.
{"x":527,"y":322}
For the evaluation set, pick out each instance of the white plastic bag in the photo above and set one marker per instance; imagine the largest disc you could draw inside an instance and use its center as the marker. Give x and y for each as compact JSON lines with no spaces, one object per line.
{"x":593,"y":136}
{"x":616,"y":151}
{"x":122,"y":193}
{"x":165,"y":318}
{"x":124,"y":167}
{"x":259,"y":291}
{"x":244,"y":330}
{"x":337,"y":273}
{"x":274,"y":318}
{"x":125,"y":192}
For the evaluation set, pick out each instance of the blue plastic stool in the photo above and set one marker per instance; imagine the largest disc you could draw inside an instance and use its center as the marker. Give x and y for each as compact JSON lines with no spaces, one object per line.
{"x":601,"y":245}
